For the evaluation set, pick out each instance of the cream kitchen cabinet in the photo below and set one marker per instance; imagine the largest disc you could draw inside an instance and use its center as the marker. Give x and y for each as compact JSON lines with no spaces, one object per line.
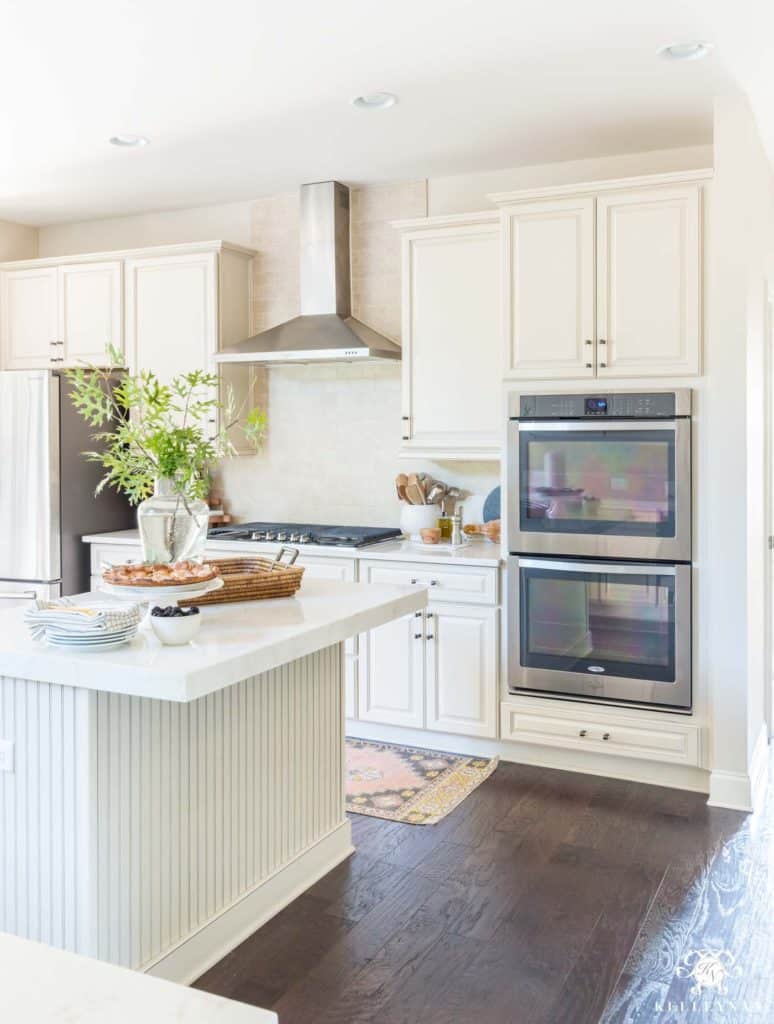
{"x":603,"y":283}
{"x":436,"y":669}
{"x":452,"y":352}
{"x":53,"y":316}
{"x":391,"y":673}
{"x":181,"y":307}
{"x":548,"y":262}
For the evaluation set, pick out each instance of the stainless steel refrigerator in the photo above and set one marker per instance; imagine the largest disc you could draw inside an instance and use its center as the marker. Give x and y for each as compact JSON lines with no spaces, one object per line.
{"x":47,"y":501}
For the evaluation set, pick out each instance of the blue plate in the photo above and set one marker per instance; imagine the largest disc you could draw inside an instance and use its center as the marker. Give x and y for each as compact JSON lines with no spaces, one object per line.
{"x":492,"y":506}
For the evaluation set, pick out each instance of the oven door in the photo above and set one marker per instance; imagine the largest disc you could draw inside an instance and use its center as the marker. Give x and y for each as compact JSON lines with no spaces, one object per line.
{"x":601,"y":631}
{"x":619,"y":489}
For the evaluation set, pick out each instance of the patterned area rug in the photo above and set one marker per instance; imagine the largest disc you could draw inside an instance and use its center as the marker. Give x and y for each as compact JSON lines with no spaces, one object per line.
{"x":407,"y":784}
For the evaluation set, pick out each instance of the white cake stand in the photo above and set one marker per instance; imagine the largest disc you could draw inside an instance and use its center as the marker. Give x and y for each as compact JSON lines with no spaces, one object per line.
{"x":164,"y":596}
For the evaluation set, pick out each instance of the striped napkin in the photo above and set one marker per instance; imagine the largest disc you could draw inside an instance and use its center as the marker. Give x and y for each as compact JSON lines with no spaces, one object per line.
{"x":93,"y":617}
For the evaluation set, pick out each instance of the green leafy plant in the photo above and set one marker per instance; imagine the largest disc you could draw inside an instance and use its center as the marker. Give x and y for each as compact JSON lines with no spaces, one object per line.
{"x":148,"y":430}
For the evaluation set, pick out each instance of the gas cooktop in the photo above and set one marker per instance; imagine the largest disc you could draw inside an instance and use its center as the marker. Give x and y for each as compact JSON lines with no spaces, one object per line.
{"x":306,"y":533}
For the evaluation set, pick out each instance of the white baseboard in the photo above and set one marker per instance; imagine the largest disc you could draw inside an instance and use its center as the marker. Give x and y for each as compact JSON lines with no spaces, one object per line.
{"x":202,"y":949}
{"x":653,"y":773}
{"x":743,"y":791}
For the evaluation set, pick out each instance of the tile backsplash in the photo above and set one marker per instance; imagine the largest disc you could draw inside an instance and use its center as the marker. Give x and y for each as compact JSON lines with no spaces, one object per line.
{"x":331,"y":454}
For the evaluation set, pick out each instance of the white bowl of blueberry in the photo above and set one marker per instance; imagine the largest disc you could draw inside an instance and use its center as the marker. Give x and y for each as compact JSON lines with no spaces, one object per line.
{"x":175,"y":626}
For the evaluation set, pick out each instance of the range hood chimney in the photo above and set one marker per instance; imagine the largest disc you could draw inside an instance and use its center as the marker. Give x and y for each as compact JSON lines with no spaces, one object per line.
{"x":325,"y":330}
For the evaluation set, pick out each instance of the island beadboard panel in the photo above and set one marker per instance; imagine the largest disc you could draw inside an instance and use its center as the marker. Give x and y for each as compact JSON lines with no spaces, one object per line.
{"x":130,"y":824}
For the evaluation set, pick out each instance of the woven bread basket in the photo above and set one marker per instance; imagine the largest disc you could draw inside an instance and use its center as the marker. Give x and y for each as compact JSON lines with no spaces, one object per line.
{"x":250,"y":578}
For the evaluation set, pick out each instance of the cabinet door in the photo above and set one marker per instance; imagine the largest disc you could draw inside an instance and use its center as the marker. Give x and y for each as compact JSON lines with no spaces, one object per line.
{"x":452,"y":349}
{"x":648,"y":276}
{"x":90,"y":311}
{"x":462,"y":677}
{"x":391,"y":673}
{"x":28,"y":319}
{"x":171,"y":314}
{"x":549,"y":288}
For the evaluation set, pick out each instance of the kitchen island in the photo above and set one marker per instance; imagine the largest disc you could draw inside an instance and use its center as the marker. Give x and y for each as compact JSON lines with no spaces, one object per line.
{"x":158,"y":804}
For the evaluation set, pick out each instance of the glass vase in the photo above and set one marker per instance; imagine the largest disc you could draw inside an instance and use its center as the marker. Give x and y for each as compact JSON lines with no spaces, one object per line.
{"x":173,"y":526}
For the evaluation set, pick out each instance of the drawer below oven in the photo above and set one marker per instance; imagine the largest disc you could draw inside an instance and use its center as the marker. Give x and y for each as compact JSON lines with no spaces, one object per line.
{"x":570,"y":726}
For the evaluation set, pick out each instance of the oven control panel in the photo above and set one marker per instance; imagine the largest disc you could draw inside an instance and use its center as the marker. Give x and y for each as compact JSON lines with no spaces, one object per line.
{"x":626,"y":406}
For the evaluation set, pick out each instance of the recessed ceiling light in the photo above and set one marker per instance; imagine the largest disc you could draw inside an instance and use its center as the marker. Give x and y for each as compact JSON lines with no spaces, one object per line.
{"x":685,"y":51}
{"x":128,"y":141}
{"x":375,"y":101}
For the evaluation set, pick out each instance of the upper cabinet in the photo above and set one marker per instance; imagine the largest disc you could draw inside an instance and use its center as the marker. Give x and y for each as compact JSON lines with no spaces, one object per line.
{"x":549,"y":288}
{"x":649,"y":282}
{"x":60,"y":316}
{"x":90,"y":311}
{"x":605,"y":284}
{"x":166,"y":309}
{"x":452,"y":347}
{"x":28,"y":319}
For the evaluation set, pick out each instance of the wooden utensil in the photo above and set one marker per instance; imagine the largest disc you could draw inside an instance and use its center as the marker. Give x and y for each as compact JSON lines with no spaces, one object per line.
{"x":415,"y":490}
{"x":400,"y":486}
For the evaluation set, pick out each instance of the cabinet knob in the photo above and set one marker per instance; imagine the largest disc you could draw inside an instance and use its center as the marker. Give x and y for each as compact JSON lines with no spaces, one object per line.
{"x":602,"y":341}
{"x":417,"y":636}
{"x":603,"y":364}
{"x":589,"y":366}
{"x":429,"y":615}
{"x":430,"y":636}
{"x":413,"y":581}
{"x":606,"y":736}
{"x":433,"y":583}
{"x":417,"y":615}
{"x":589,"y":341}
{"x":582,"y":732}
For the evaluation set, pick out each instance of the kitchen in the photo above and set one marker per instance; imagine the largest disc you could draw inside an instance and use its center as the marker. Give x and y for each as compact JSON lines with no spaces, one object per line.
{"x":594,"y":279}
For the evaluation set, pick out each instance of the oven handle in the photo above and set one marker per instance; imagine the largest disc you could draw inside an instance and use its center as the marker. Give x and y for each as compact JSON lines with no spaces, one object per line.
{"x":558,"y":565}
{"x":573,"y":426}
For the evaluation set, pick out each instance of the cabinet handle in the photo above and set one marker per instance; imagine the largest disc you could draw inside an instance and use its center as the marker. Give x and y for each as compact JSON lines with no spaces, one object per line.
{"x":606,"y":736}
{"x":413,"y":582}
{"x":582,"y":732}
{"x":417,"y":636}
{"x":603,"y":364}
{"x":56,"y":359}
{"x":602,"y":341}
{"x":429,"y":615}
{"x":589,"y":341}
{"x":417,"y":615}
{"x":405,"y":437}
{"x":589,"y":366}
{"x":430,"y":636}
{"x":433,"y":583}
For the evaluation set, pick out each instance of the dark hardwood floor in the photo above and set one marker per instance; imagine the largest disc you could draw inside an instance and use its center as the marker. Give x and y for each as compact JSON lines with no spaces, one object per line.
{"x":546,"y":898}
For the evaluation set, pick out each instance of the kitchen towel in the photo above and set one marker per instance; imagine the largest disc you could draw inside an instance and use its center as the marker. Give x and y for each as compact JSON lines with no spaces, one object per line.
{"x":94,"y":617}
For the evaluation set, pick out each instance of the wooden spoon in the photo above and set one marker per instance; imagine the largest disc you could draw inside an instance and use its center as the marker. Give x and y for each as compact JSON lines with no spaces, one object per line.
{"x":415,"y":490}
{"x":400,"y":486}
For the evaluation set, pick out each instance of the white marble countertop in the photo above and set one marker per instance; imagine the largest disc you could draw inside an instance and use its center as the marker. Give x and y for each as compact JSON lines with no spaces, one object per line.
{"x":41,"y":985}
{"x":477,"y":552}
{"x":235,"y":641}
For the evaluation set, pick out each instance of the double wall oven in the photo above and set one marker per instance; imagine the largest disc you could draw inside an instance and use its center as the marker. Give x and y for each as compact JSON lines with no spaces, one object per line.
{"x":599,"y":540}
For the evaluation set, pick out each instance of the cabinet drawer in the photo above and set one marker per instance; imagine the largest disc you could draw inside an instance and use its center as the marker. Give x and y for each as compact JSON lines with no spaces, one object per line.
{"x":470,"y":584}
{"x":621,"y":735}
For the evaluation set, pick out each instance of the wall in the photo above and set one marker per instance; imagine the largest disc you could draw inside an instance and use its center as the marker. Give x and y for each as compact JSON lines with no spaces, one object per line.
{"x":229,"y":221}
{"x":465,"y":193}
{"x":732,"y":465}
{"x":17,"y":241}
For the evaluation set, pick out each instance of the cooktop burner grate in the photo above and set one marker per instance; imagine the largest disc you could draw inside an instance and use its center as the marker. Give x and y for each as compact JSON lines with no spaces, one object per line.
{"x":306,"y":533}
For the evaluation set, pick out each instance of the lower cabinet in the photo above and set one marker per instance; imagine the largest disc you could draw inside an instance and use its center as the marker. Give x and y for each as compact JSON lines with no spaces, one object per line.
{"x":433,"y":670}
{"x":391,"y":673}
{"x":461,"y":669}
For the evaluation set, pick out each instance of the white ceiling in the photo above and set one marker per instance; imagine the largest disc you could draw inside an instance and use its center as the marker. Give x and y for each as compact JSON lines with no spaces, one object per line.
{"x":243,"y":98}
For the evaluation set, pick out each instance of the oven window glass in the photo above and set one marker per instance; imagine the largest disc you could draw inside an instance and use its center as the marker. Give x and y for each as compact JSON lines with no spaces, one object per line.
{"x":602,"y":482}
{"x":595,"y":622}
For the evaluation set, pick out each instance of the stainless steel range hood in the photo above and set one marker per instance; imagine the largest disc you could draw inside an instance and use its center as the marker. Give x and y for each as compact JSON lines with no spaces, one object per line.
{"x":325,"y":330}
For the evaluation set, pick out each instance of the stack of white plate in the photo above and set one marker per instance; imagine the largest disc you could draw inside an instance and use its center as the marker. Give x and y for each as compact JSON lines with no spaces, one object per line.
{"x":103,"y":642}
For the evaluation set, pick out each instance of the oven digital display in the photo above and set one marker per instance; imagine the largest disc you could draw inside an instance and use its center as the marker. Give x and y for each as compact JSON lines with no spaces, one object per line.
{"x":596,"y":407}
